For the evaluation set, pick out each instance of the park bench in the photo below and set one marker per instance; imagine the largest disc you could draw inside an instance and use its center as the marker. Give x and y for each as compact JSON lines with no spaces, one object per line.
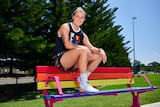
{"x":49,"y":77}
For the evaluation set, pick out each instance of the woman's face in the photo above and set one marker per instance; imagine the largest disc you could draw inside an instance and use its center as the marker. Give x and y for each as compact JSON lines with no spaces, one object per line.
{"x":78,"y":18}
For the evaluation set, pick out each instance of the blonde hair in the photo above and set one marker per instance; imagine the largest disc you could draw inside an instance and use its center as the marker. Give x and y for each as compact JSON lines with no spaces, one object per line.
{"x":79,"y":9}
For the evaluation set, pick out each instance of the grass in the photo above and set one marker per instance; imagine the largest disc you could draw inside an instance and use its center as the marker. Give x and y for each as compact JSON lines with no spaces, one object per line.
{"x":122,"y":100}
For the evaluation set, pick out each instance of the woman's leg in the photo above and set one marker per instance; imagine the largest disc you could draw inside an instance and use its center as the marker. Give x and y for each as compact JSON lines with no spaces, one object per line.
{"x":76,"y":56}
{"x":94,"y":61}
{"x":80,"y":56}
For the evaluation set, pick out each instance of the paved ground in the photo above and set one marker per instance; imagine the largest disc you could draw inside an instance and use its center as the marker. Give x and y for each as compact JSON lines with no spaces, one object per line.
{"x":13,"y":80}
{"x":157,"y":104}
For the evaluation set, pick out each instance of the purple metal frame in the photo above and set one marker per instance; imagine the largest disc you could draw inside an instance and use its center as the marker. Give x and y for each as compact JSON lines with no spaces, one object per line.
{"x":136,"y":95}
{"x":50,"y":100}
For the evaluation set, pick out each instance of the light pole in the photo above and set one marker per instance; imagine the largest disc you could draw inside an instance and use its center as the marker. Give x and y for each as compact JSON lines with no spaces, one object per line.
{"x":134,"y":68}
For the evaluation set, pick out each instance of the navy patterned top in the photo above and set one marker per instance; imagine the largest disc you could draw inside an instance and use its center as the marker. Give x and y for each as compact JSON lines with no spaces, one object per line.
{"x":76,"y":37}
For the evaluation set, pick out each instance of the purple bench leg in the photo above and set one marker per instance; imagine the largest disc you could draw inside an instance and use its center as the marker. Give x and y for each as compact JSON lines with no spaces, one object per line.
{"x":49,"y":102}
{"x":136,"y":99}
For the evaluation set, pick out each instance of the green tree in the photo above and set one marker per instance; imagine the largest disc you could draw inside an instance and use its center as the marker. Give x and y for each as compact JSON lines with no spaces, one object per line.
{"x":154,"y":66}
{"x":25,"y":44}
{"x":157,"y":69}
{"x":142,"y":67}
{"x":27,"y":50}
{"x":4,"y":5}
{"x":36,"y":23}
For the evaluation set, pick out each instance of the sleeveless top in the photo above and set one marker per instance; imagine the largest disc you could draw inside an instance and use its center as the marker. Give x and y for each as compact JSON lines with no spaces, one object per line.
{"x":76,"y":37}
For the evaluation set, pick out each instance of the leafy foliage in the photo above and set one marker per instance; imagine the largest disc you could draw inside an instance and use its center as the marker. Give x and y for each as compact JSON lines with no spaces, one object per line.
{"x":28,"y":29}
{"x":100,"y":27}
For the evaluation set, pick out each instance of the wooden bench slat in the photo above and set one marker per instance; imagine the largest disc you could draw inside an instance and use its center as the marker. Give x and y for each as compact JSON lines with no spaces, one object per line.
{"x":71,"y":84}
{"x":43,"y":76}
{"x":110,"y":76}
{"x":48,"y":69}
{"x":52,"y":69}
{"x":113,"y":70}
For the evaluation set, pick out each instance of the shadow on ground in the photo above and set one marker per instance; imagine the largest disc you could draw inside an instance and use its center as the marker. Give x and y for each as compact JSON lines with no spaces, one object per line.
{"x":16,"y":92}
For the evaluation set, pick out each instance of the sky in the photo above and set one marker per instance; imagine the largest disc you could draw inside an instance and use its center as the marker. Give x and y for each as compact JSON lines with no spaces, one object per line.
{"x":146,"y":27}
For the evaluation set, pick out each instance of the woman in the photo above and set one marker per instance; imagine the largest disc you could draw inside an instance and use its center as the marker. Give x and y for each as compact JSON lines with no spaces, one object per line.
{"x":74,"y":50}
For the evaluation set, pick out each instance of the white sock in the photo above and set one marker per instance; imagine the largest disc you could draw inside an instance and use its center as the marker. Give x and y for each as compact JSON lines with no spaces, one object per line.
{"x":88,"y":73}
{"x":83,"y":80}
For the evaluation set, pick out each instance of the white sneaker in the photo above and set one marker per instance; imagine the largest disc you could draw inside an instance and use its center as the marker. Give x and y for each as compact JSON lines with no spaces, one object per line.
{"x":89,"y":88}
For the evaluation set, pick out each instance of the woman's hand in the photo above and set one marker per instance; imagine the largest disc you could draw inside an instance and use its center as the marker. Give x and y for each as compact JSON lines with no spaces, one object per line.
{"x":103,"y":55}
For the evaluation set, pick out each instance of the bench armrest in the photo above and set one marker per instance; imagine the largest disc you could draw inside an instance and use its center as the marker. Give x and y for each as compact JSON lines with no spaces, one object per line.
{"x":55,"y":78}
{"x":144,"y":76}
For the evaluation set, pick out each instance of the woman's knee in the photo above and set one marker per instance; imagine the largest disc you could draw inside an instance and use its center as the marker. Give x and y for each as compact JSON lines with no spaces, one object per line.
{"x":83,"y":50}
{"x":97,"y":57}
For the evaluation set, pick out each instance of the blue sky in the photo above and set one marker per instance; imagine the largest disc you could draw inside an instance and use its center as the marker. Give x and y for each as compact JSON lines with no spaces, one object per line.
{"x":147,"y":27}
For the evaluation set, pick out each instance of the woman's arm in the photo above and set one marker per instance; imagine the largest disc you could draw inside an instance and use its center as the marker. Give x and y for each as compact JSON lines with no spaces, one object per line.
{"x":64,"y":33}
{"x":87,"y":43}
{"x":94,"y":49}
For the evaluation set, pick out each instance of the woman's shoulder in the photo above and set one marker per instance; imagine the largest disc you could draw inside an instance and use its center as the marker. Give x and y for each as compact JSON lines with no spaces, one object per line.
{"x":65,"y":25}
{"x":63,"y":28}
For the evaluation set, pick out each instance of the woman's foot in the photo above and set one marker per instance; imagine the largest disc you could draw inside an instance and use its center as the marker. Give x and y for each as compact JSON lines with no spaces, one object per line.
{"x":85,"y":87}
{"x":88,"y":88}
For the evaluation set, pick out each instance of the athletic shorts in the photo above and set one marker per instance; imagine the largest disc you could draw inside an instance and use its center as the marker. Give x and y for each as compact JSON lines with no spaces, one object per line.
{"x":56,"y":60}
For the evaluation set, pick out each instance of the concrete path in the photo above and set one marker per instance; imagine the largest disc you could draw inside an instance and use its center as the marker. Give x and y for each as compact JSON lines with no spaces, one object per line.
{"x":13,"y":80}
{"x":157,"y":104}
